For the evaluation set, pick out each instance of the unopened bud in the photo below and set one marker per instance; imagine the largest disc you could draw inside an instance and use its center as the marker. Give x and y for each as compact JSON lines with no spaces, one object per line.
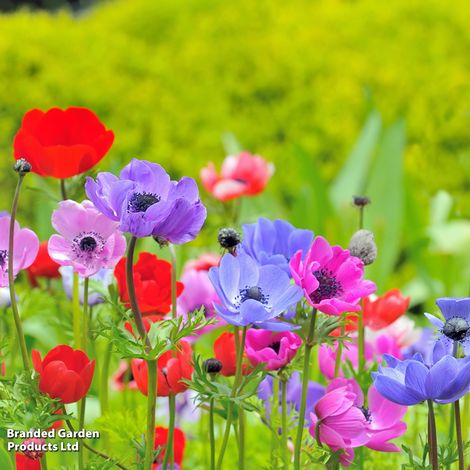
{"x":34,"y":448}
{"x":229,"y":238}
{"x":362,"y":245}
{"x":361,"y":201}
{"x":212,"y":366}
{"x":22,"y":166}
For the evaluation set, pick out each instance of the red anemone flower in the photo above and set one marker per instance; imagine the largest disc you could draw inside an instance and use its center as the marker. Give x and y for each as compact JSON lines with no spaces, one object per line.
{"x":172,"y":368}
{"x":152,"y":280}
{"x":64,"y":373}
{"x":161,"y":439}
{"x":62,"y":143}
{"x":43,"y":266}
{"x":384,"y":310}
{"x":25,"y":463}
{"x":226,"y":353}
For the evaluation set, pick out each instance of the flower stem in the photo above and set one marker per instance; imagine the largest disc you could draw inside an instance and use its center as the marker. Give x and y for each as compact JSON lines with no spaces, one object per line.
{"x":171,"y":249}
{"x":274,"y":420}
{"x":306,"y":374}
{"x":63,"y":190}
{"x":104,"y":379}
{"x":151,"y":404}
{"x":361,"y":345}
{"x":11,"y":280}
{"x":285,"y":451}
{"x":76,"y":310}
{"x":236,"y":383}
{"x":339,"y":353}
{"x":84,"y":341}
{"x":169,"y":454}
{"x":432,"y":437}
{"x":458,"y":428}
{"x":211,"y":433}
{"x":44,"y":461}
{"x":132,"y":295}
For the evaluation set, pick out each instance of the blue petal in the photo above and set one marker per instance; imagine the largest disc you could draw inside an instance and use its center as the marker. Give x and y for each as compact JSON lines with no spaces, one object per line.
{"x":460,"y":384}
{"x":276,"y":325}
{"x":290,"y":297}
{"x":395,"y":391}
{"x":253,"y":311}
{"x":229,"y":276}
{"x":436,"y":322}
{"x":415,"y":378}
{"x":273,"y":281}
{"x":454,"y":307}
{"x":229,"y":317}
{"x":440,"y":375}
{"x":249,"y":271}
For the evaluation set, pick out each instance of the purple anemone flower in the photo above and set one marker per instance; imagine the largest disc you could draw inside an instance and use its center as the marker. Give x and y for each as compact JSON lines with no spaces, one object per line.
{"x":424,"y":346}
{"x":293,"y":396}
{"x":331,"y":278}
{"x":455,"y":329}
{"x":103,"y":276}
{"x":198,"y":292}
{"x":251,"y":294}
{"x":25,"y":250}
{"x":274,"y":242}
{"x":411,"y":381}
{"x":146,"y":202}
{"x":88,"y":241}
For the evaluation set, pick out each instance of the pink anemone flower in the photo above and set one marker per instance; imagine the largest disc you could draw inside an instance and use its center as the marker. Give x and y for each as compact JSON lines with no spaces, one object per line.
{"x":26,"y":247}
{"x":331,"y":278}
{"x":88,"y":241}
{"x":274,"y":349}
{"x":241,"y":175}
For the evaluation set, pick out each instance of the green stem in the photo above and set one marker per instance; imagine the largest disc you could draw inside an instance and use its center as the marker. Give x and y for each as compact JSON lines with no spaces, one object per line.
{"x":274,"y":420}
{"x":63,"y":191}
{"x":11,"y":280}
{"x":360,"y":345}
{"x":211,"y":433}
{"x":236,"y":383}
{"x":151,"y":404}
{"x":306,"y":374}
{"x":458,"y":429}
{"x":132,"y":295}
{"x":339,"y":353}
{"x":76,"y":310}
{"x":169,"y":453}
{"x":432,"y":437}
{"x":44,"y":461}
{"x":104,"y":379}
{"x":81,"y":424}
{"x":171,"y":249}
{"x":285,"y":450}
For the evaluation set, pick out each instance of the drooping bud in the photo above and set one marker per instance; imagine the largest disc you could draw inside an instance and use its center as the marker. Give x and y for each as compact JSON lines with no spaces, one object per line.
{"x":361,"y":201}
{"x":212,"y":366}
{"x":229,"y":239}
{"x":34,"y":448}
{"x":22,"y":166}
{"x":362,"y":245}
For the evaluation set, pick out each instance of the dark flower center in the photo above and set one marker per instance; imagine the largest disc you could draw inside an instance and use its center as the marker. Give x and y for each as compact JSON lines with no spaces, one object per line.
{"x":328,"y":287}
{"x":140,"y":202}
{"x":366,"y":413}
{"x":456,"y":328}
{"x":3,"y":258}
{"x":276,"y":346}
{"x":88,"y":244}
{"x":255,"y":293}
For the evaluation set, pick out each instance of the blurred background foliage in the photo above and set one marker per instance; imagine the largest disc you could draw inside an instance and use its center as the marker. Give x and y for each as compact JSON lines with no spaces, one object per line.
{"x":345,"y":97}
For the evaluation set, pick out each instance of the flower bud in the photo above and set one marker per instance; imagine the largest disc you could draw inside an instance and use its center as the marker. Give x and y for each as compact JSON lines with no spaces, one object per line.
{"x":212,"y":366}
{"x":229,"y":238}
{"x":34,"y":448}
{"x":22,"y":166}
{"x":361,"y":201}
{"x":362,"y":245}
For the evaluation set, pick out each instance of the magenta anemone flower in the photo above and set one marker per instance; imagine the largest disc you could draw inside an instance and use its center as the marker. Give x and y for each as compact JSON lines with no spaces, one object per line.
{"x":88,"y":241}
{"x":274,"y":349}
{"x":337,"y":421}
{"x":26,"y":247}
{"x":331,"y":278}
{"x":384,"y":418}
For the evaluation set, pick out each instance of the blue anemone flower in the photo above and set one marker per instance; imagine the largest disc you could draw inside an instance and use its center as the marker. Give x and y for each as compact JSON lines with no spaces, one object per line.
{"x":412,"y":381}
{"x":274,"y":242}
{"x":456,"y":327}
{"x":252,"y":294}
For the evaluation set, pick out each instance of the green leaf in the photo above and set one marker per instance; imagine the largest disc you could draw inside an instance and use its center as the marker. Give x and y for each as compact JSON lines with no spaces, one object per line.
{"x":352,"y":178}
{"x":5,"y":462}
{"x":386,"y":212}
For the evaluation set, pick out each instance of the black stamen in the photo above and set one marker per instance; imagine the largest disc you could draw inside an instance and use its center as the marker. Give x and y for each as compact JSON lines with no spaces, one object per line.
{"x":276,"y":346}
{"x":88,"y":244}
{"x":253,"y":292}
{"x":456,"y":328}
{"x":3,"y":258}
{"x":140,"y":202}
{"x":328,"y":287}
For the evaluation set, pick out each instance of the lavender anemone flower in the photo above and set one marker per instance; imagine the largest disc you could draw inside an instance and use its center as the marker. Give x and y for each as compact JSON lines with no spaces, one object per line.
{"x":26,"y":248}
{"x":198,"y":293}
{"x":87,"y":240}
{"x":411,"y":381}
{"x":146,"y":202}
{"x":252,"y":294}
{"x":293,"y":396}
{"x":331,"y":278}
{"x":103,"y":276}
{"x":274,"y":242}
{"x":455,"y":329}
